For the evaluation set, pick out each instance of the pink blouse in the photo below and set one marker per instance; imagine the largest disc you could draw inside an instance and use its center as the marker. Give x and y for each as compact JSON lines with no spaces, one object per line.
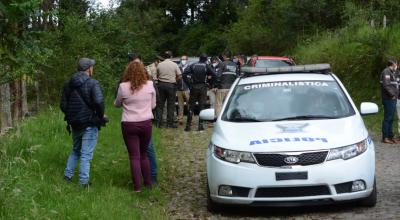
{"x":136,"y":106}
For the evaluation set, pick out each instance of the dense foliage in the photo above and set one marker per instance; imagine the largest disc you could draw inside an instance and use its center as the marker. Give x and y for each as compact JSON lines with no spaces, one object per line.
{"x":43,"y":39}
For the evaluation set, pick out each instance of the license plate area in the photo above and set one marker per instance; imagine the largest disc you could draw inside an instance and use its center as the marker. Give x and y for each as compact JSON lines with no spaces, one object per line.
{"x":291,"y":176}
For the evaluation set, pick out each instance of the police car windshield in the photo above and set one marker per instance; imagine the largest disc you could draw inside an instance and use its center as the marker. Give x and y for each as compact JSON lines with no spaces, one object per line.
{"x":294,"y":100}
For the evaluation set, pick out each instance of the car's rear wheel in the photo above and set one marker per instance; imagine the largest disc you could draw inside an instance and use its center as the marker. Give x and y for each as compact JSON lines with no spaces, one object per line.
{"x":211,"y":205}
{"x":371,"y":200}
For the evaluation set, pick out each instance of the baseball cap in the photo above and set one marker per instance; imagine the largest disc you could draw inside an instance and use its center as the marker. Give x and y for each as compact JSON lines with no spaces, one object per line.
{"x":85,"y":63}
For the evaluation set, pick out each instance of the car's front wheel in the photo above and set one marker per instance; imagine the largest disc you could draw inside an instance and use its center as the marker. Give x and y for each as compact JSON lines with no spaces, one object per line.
{"x":371,"y":200}
{"x":211,"y":205}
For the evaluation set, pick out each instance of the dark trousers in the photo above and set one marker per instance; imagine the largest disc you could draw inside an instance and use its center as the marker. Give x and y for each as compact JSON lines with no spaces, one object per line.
{"x":137,"y":137}
{"x":389,"y":109}
{"x":167,"y":92}
{"x":151,"y":154}
{"x":198,"y":94}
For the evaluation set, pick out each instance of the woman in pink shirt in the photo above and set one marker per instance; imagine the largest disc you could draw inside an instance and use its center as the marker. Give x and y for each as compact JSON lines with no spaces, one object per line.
{"x":137,"y":97}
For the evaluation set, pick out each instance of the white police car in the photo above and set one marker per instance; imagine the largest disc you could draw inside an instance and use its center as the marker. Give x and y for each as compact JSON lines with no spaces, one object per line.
{"x":290,"y":136}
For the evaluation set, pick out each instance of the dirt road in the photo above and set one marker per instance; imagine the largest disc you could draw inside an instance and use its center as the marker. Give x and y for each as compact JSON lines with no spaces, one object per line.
{"x":185,"y":167}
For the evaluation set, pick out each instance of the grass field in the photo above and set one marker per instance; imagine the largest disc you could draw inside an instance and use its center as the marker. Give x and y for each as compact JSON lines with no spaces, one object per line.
{"x":32,"y":160}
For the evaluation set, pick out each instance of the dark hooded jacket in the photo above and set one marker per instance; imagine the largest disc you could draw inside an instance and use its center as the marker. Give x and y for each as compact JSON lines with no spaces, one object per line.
{"x":226,"y":75}
{"x":82,"y":100}
{"x":389,"y":84}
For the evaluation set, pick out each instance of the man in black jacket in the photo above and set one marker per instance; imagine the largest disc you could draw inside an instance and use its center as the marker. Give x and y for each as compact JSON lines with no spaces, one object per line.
{"x":390,"y":93}
{"x":83,"y":105}
{"x":196,"y":75}
{"x":225,"y":78}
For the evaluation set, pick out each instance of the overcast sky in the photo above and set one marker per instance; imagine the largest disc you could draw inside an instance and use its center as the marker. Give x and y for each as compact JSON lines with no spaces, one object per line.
{"x":105,"y":3}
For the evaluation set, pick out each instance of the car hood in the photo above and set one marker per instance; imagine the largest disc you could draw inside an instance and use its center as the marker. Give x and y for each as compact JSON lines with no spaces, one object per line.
{"x":304,"y":135}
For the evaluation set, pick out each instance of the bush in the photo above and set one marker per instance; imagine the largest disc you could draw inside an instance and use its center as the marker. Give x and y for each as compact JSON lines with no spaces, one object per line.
{"x":356,"y":55}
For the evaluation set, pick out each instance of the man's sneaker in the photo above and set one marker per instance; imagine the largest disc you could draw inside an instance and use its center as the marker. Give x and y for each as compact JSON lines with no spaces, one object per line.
{"x":68,"y":179}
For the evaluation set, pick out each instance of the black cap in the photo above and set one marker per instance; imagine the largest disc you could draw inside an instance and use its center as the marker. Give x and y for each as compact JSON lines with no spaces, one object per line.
{"x":203,"y":57}
{"x":85,"y":63}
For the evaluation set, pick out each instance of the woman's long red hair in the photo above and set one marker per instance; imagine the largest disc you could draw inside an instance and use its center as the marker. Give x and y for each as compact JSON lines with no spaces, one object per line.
{"x":136,"y":74}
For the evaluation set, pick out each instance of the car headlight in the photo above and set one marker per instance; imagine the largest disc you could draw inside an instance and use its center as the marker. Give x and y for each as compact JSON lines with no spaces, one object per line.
{"x":233,"y":156}
{"x":348,"y":152}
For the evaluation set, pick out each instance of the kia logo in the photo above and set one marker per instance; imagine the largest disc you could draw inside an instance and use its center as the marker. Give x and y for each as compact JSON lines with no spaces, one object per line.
{"x":291,"y":160}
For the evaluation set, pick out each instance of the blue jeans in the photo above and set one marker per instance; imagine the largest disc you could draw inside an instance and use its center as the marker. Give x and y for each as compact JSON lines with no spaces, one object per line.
{"x":151,"y":154}
{"x":389,"y":108}
{"x":84,"y":142}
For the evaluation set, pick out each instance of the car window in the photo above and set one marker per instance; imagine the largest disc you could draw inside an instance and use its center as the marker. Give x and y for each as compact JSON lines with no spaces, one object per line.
{"x":272,"y":63}
{"x":193,"y":60}
{"x":294,"y":100}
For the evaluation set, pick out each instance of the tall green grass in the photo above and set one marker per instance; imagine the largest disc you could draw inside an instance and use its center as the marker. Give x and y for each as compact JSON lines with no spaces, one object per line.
{"x":32,"y":161}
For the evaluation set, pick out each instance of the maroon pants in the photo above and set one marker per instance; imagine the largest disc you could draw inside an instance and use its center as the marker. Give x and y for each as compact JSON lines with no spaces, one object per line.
{"x":137,"y":137}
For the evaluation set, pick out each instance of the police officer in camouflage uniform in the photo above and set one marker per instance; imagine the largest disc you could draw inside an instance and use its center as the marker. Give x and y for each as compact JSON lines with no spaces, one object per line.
{"x":196,"y":75}
{"x":390,"y":93}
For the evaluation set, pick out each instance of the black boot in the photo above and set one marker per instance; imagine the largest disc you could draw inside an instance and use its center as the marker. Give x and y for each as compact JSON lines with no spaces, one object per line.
{"x":158,"y":123}
{"x":200,"y":128}
{"x":189,"y":121}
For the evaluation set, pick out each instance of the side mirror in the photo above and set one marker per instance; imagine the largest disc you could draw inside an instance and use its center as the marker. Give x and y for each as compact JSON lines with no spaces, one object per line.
{"x":207,"y":114}
{"x":368,"y":108}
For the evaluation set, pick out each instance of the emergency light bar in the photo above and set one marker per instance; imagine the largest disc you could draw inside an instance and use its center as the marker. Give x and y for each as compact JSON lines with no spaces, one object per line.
{"x":311,"y":68}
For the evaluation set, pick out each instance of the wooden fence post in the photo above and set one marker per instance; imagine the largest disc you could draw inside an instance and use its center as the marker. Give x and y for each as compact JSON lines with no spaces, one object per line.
{"x":37,"y":101}
{"x":24,"y":98}
{"x":5,"y":113}
{"x":16,"y":104}
{"x":384,"y":21}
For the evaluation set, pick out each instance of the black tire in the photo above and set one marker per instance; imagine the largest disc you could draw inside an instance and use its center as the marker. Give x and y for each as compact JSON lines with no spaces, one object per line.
{"x":371,"y":200}
{"x":211,"y":205}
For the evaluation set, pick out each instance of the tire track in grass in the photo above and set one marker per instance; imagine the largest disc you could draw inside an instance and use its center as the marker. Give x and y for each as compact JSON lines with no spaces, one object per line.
{"x":186,"y":172}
